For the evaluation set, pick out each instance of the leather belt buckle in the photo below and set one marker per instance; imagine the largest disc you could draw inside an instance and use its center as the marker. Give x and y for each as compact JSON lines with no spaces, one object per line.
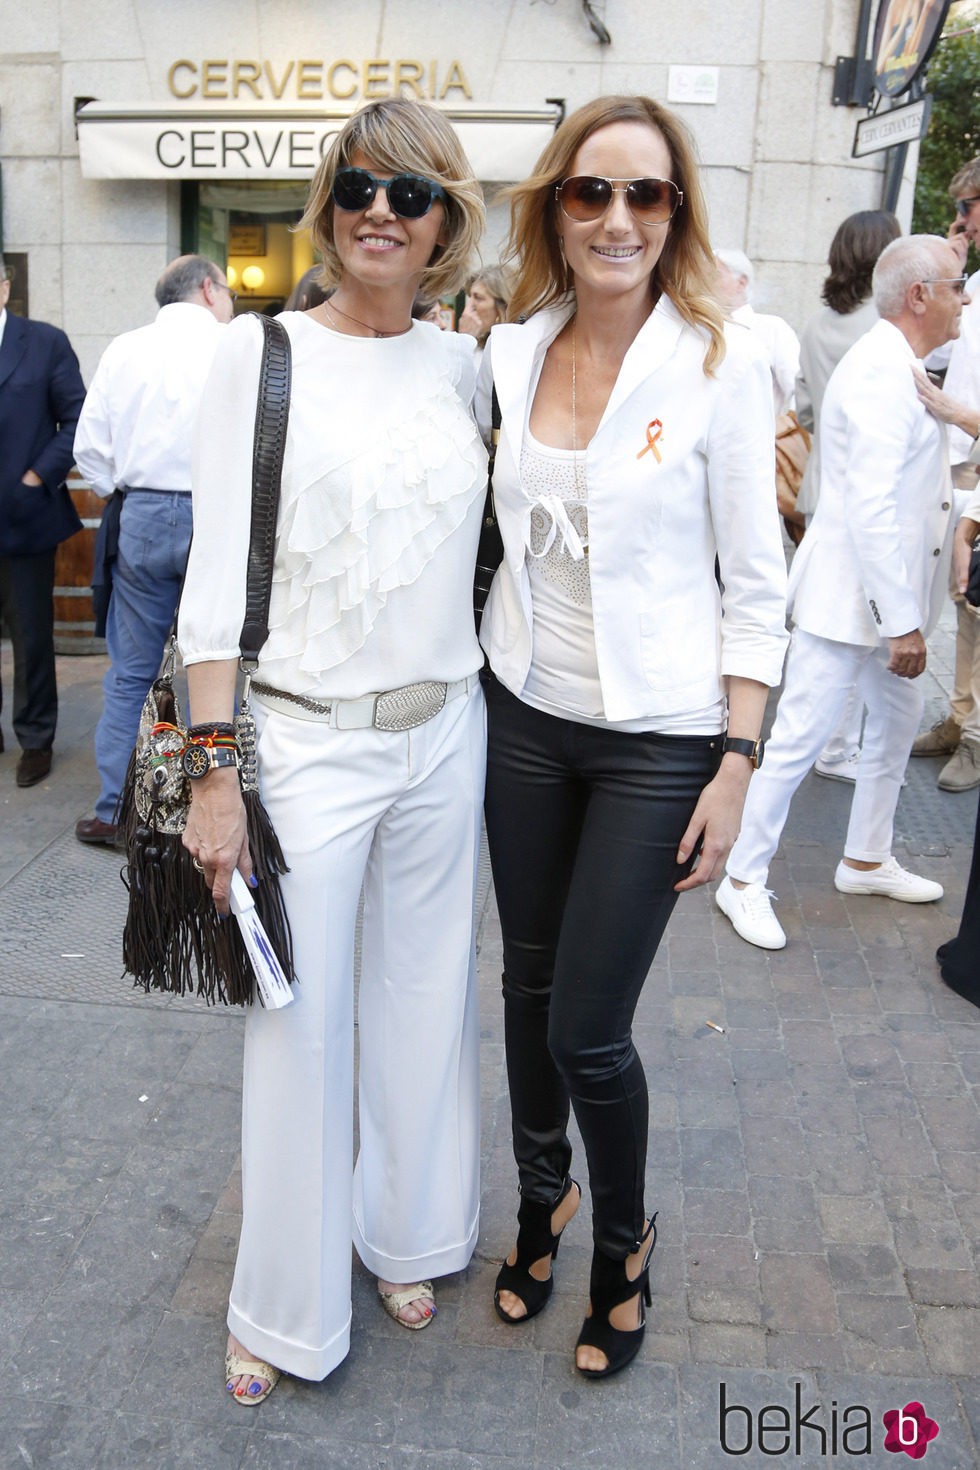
{"x":403,"y":709}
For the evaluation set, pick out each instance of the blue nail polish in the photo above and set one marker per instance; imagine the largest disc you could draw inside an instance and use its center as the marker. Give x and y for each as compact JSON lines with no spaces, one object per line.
{"x":253,"y":882}
{"x":230,"y":1385}
{"x":254,"y":1388}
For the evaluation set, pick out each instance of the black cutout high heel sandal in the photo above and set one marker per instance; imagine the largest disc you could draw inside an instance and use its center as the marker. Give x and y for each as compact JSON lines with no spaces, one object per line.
{"x":534,"y":1241}
{"x":609,"y":1287}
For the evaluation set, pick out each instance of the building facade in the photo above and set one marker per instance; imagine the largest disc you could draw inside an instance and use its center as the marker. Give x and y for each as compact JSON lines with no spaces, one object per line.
{"x":133,"y":129}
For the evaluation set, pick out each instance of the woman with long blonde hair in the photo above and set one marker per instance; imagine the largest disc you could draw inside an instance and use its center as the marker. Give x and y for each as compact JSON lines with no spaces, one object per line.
{"x":628,"y":683}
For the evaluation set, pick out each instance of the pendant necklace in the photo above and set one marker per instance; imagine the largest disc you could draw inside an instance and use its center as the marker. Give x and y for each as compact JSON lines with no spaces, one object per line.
{"x":366,"y":325}
{"x":578,"y":460}
{"x":581,"y":489}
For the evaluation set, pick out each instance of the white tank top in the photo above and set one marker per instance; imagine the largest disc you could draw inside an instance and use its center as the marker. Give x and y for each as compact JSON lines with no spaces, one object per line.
{"x":563,"y":678}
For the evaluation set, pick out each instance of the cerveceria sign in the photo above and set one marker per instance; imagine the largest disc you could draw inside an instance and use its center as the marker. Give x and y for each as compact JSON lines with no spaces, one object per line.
{"x":343,"y":80}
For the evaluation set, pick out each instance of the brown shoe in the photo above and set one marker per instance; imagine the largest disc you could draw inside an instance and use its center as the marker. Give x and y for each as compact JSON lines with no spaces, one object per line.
{"x":941,"y":739}
{"x":32,"y":767}
{"x":962,"y":771}
{"x":91,"y":829}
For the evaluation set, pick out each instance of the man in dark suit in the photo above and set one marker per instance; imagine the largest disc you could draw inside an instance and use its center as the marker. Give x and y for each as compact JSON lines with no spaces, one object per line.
{"x":41,"y":396}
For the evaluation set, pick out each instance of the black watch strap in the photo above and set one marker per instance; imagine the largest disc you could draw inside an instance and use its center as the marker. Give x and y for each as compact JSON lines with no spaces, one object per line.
{"x":201,"y":760}
{"x":754,"y":749}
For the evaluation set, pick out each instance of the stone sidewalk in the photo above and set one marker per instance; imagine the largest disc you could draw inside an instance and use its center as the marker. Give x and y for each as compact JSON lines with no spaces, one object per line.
{"x":814,"y":1161}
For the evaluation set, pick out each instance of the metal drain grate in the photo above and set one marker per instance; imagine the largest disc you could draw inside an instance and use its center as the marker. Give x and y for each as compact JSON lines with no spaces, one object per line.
{"x":63,"y":918}
{"x":927,"y":821}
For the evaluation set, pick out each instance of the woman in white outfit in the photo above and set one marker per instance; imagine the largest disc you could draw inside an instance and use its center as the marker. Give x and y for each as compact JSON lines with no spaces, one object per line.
{"x":382,"y":493}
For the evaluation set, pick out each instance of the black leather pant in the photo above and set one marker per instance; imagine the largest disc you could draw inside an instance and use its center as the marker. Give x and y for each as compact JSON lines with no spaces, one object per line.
{"x":583,"y":824}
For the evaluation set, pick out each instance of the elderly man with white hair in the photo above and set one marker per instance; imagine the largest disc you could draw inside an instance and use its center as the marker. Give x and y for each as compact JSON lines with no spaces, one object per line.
{"x":734,"y":276}
{"x":866,"y":587}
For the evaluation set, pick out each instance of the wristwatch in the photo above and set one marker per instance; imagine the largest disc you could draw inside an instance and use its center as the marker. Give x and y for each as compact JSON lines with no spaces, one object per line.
{"x":198,"y":760}
{"x":754,"y":749}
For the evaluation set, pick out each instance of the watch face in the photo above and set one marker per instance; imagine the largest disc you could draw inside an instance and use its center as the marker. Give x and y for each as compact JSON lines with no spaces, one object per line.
{"x":196,"y":761}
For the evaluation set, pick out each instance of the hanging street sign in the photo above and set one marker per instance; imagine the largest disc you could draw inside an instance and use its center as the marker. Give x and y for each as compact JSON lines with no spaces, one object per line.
{"x":886,"y":129}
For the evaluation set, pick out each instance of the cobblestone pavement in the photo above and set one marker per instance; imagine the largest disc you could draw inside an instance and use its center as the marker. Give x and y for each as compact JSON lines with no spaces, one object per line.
{"x":814,"y":1162}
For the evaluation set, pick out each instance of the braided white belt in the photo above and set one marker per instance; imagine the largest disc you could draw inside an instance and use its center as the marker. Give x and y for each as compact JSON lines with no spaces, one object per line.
{"x":392,"y":709}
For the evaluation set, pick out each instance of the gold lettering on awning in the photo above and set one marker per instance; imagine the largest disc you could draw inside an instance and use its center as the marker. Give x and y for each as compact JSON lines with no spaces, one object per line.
{"x":314,"y":79}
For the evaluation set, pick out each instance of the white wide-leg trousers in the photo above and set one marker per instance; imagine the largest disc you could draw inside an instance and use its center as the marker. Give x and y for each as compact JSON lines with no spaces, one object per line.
{"x":819,"y":677}
{"x":400,"y":812}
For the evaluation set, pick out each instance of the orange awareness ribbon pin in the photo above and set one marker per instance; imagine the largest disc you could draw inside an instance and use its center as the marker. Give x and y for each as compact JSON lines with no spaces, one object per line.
{"x":655,"y":431}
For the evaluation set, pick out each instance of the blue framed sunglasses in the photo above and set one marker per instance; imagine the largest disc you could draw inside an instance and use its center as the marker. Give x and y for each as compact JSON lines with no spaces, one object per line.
{"x":409,"y":195}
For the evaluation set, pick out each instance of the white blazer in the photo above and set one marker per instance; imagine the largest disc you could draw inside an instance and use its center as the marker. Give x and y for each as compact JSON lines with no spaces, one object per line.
{"x":874,"y":562}
{"x":681,"y":468}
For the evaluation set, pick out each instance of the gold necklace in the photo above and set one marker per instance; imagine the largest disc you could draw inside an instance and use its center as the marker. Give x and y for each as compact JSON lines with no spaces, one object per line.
{"x":581,"y":488}
{"x":366,"y":325}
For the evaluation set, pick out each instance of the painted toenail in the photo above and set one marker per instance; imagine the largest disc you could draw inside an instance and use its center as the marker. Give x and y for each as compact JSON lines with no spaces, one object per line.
{"x":255,"y":1388}
{"x":230,"y":1385}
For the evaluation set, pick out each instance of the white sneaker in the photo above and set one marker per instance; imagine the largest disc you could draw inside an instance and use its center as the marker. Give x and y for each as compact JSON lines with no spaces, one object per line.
{"x":842,"y":770}
{"x":891,"y":880}
{"x":751,"y":913}
{"x":847,"y":769}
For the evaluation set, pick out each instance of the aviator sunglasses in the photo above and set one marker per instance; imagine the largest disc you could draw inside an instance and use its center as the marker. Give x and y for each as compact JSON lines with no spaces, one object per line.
{"x":587,"y":197}
{"x":409,"y":195}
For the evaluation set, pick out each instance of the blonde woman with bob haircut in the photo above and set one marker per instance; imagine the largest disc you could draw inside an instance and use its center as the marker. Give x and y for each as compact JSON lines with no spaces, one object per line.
{"x":628,"y":682}
{"x":371,"y":751}
{"x":487,"y":300}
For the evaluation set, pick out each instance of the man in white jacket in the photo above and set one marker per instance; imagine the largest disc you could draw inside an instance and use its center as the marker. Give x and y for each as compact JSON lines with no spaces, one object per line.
{"x":865,"y":590}
{"x":957,"y":734}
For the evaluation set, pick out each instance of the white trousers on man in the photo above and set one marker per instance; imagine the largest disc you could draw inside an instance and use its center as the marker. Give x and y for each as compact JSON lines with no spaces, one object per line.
{"x":819,"y":677}
{"x":402,"y":812}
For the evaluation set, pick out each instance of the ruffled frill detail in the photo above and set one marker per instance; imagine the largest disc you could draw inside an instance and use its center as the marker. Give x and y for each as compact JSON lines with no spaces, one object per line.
{"x":362,"y":517}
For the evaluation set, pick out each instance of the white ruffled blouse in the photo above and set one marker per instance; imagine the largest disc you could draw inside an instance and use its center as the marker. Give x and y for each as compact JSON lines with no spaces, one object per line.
{"x":382,"y":492}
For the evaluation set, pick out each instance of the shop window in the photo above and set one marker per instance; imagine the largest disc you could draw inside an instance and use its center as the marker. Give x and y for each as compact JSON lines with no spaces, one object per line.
{"x":248,"y":229}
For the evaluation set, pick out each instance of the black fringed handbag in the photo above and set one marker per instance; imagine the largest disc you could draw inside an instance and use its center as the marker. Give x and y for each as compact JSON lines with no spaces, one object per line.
{"x":174,"y":939}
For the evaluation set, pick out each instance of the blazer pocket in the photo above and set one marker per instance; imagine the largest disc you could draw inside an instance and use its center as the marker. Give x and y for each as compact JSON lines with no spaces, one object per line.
{"x":34,"y":518}
{"x":20,"y":506}
{"x":675,"y":656}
